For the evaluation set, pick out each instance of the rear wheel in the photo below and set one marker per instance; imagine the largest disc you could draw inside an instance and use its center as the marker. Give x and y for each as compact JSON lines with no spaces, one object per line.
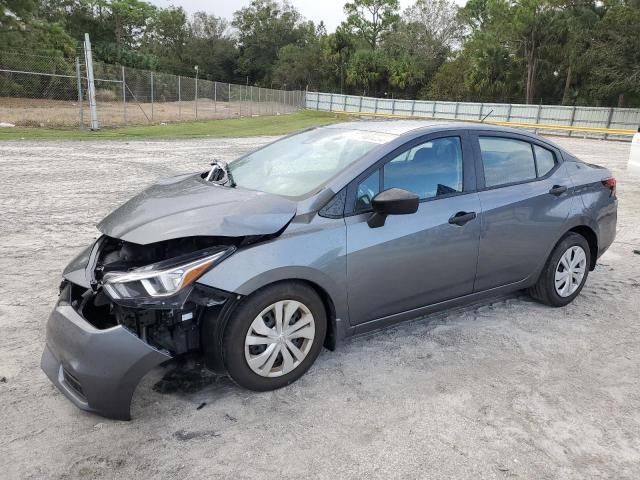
{"x":565,"y":272}
{"x":274,"y":336}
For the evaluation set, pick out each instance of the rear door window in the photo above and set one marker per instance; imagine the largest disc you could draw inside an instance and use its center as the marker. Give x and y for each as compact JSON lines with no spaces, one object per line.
{"x":506,"y":160}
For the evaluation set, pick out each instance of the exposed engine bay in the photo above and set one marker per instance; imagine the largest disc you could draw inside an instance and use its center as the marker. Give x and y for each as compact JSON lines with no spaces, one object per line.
{"x":173,"y":323}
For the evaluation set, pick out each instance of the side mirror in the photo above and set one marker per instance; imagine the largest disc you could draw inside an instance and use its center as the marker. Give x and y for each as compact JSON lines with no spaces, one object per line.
{"x":394,"y":201}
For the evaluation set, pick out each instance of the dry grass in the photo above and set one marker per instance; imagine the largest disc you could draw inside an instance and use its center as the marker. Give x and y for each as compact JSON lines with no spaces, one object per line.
{"x":27,"y":112}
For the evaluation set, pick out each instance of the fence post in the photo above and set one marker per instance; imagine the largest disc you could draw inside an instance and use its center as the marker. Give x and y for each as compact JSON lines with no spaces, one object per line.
{"x":344,"y":106}
{"x":393,"y":106}
{"x":124,"y":97}
{"x":196,"y":97}
{"x":78,"y":77}
{"x":179,"y":99}
{"x":215,"y":97}
{"x":317,"y":100}
{"x":480,"y":113}
{"x":375,"y":109}
{"x":152,"y":96}
{"x":610,"y":117}
{"x":433,"y":109}
{"x":509,"y":113}
{"x":360,"y":105}
{"x":455,"y":112}
{"x":331,"y":103}
{"x":538,"y":114}
{"x":251,"y":101}
{"x":573,"y":118}
{"x":88,"y":60}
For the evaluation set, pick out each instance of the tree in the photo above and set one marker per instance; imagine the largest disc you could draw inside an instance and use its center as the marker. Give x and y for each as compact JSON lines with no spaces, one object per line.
{"x":264,"y":27}
{"x":166,"y":38}
{"x":371,"y":19}
{"x":616,"y":52}
{"x":367,"y":71}
{"x":22,"y":28}
{"x":526,"y":28}
{"x":436,"y":23}
{"x":209,"y":45}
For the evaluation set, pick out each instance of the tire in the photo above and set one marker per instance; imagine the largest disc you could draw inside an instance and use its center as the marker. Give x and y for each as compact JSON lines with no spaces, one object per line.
{"x":303,"y":314}
{"x":545,"y":289}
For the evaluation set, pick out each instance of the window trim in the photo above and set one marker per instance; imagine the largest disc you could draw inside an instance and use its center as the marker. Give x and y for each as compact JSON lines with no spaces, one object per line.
{"x":469,"y":169}
{"x":481,"y":186}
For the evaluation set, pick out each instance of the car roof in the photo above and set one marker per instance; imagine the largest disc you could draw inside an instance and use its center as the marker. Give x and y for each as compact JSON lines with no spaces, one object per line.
{"x":402,"y":127}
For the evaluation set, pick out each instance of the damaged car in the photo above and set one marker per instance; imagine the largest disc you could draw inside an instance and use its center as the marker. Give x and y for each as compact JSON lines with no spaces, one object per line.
{"x":257,"y":264}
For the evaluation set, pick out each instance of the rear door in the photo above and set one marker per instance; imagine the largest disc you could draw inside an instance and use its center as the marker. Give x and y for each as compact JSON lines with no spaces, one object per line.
{"x":423,"y":258}
{"x":525,"y":196}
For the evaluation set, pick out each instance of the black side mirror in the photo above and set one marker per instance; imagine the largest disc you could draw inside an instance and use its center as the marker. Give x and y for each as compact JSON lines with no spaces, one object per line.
{"x":394,"y":201}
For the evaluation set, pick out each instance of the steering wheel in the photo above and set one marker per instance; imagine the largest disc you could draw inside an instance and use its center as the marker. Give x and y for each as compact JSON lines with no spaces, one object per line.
{"x":365,"y":195}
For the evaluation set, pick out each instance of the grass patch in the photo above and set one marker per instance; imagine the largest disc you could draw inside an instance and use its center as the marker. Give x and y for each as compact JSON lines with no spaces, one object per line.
{"x":234,"y":127}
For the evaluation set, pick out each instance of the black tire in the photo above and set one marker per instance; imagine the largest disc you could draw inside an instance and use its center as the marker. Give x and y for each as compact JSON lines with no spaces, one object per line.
{"x":544,"y":290}
{"x":242,"y":318}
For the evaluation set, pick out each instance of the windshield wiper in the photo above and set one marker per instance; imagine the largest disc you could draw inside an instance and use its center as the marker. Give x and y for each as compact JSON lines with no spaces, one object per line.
{"x":220,"y":174}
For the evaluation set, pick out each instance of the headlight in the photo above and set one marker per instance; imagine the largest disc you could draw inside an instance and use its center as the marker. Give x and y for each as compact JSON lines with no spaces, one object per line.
{"x":161,"y":279}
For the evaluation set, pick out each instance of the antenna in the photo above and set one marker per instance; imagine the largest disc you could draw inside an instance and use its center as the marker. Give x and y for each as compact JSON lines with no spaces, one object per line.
{"x":485,"y":117}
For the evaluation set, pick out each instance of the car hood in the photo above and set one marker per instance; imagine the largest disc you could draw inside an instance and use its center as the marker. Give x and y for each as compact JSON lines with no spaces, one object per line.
{"x":189,"y":206}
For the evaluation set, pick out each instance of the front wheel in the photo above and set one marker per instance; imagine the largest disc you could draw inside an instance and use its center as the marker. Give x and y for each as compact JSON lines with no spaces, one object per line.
{"x":274,"y":336}
{"x":565,"y":272}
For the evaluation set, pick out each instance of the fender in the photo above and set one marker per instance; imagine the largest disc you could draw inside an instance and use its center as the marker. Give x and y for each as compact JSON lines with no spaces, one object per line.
{"x":314,"y":252}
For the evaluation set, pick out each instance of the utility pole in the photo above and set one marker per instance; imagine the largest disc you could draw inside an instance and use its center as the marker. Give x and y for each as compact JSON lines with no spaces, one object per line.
{"x":88,"y":60}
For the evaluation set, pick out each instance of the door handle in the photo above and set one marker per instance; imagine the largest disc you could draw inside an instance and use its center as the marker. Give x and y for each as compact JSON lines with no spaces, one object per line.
{"x":461,"y":218}
{"x":558,"y":190}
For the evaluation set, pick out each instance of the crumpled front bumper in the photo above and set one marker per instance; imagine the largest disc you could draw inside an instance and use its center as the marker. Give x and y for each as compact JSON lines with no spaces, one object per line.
{"x":98,"y":370}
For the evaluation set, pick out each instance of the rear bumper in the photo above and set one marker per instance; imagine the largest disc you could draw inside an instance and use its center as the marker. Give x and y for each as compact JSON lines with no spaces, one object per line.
{"x":98,"y":370}
{"x":607,"y":224}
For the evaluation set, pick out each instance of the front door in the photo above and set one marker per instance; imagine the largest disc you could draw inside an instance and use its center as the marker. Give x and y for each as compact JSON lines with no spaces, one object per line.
{"x":423,"y":258}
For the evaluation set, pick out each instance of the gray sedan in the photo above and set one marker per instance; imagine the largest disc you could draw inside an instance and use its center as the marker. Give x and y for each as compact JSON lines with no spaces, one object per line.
{"x":322,"y":235}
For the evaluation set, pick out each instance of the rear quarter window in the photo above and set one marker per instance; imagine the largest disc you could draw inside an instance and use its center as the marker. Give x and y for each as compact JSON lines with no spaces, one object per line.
{"x":545,"y":160}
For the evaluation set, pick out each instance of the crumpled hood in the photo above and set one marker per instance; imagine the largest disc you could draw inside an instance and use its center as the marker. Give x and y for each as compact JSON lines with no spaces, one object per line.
{"x":188,"y":206}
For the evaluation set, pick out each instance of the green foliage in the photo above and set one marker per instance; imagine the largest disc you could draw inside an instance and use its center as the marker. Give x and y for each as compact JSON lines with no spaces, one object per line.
{"x":616,"y":52}
{"x":264,"y":27}
{"x":573,"y":52}
{"x":371,"y":19}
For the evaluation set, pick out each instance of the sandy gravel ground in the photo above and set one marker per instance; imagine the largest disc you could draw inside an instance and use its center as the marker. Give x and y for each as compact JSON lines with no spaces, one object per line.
{"x":506,"y":389}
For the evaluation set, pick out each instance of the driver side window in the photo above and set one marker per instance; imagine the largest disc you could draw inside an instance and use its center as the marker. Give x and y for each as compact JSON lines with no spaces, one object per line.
{"x":430,"y":169}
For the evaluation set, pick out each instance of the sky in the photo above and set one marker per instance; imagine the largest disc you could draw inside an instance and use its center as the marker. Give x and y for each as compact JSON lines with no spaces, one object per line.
{"x":328,"y":10}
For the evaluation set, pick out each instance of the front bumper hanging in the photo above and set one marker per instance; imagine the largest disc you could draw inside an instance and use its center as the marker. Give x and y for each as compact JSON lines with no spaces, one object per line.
{"x":98,"y":370}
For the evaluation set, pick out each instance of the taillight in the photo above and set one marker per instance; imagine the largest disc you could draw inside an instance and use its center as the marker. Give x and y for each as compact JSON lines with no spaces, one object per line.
{"x":610,"y":183}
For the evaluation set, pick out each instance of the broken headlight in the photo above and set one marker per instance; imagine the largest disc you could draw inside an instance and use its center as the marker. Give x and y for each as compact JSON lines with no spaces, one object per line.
{"x":162,"y":279}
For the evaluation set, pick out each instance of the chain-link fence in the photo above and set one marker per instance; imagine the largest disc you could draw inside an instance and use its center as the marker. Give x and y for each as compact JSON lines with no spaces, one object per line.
{"x":52,"y":91}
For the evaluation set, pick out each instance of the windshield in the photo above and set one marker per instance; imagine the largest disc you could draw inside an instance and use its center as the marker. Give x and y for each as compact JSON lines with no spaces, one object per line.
{"x":299,"y":164}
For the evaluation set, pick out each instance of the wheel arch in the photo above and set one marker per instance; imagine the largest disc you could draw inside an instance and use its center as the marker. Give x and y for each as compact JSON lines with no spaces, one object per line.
{"x":215,"y":319}
{"x":331,"y":337}
{"x":592,"y":239}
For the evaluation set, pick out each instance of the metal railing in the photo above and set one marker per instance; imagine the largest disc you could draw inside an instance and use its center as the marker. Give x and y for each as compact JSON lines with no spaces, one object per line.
{"x":596,"y":122}
{"x":52,"y":91}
